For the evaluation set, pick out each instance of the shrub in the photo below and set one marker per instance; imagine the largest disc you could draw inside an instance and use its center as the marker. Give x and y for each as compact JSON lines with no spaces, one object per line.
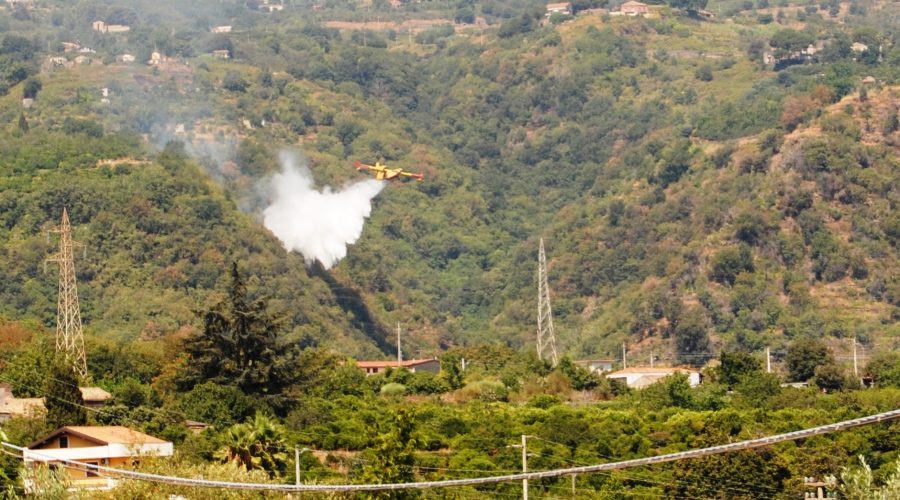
{"x":484,"y":390}
{"x":704,"y":73}
{"x":729,"y":262}
{"x":393,"y":389}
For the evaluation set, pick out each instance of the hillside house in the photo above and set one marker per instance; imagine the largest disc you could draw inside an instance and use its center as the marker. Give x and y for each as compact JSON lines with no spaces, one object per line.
{"x":396,"y":4}
{"x":125,"y":58}
{"x":95,"y":397}
{"x":413,"y":365}
{"x":634,"y":9}
{"x":559,"y":8}
{"x":596,"y":365}
{"x":70,"y":46}
{"x":102,"y":27}
{"x":859,"y":47}
{"x":57,"y":62}
{"x":108,"y":446}
{"x":270,"y":7}
{"x":196,"y":427}
{"x":82,"y":60}
{"x":220,"y":29}
{"x":12,"y":407}
{"x":221,"y":54}
{"x":640,"y":377}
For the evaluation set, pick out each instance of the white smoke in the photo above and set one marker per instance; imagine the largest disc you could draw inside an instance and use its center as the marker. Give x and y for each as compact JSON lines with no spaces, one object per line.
{"x":318,"y":224}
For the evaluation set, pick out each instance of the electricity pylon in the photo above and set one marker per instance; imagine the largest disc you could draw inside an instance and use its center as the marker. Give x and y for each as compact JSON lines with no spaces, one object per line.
{"x":546,"y":338}
{"x":69,"y":336}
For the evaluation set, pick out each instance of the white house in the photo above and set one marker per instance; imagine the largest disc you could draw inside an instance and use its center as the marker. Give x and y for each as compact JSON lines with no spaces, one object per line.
{"x":640,"y":377}
{"x":596,"y":365}
{"x":102,"y":27}
{"x":559,"y":8}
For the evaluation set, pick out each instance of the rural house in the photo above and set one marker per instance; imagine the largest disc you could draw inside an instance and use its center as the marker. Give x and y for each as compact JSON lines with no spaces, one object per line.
{"x":640,"y":377}
{"x":108,"y":446}
{"x":634,"y":9}
{"x":559,"y":8}
{"x":413,"y":365}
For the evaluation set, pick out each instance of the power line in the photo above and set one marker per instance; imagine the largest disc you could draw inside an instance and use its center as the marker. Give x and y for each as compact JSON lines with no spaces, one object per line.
{"x":655,"y":481}
{"x":713,"y":450}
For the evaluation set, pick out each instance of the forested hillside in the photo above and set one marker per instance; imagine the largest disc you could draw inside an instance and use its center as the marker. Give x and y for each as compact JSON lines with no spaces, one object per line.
{"x":690,"y":195}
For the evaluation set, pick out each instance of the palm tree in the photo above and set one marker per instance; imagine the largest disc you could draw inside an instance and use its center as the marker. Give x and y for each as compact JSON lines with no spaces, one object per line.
{"x":256,"y":444}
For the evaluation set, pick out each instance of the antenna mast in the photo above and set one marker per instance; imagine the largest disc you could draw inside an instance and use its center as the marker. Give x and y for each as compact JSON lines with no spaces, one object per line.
{"x":546,"y":338}
{"x":69,"y":336}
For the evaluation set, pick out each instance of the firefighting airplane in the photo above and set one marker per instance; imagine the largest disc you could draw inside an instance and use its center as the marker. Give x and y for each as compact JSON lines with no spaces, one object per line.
{"x":383,"y":173}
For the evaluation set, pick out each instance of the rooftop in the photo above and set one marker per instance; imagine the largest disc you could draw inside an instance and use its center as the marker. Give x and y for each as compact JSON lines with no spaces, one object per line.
{"x":102,"y":435}
{"x":94,"y":394}
{"x":646,"y":370}
{"x":385,"y":364}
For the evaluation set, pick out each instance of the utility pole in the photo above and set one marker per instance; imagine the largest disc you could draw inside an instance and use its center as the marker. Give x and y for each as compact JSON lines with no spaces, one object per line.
{"x":651,"y":359}
{"x":546,"y":338}
{"x":524,"y":467}
{"x":399,"y":352}
{"x":855,"y":366}
{"x":624,"y":360}
{"x":768,"y":361}
{"x":69,"y":335}
{"x":524,"y":447}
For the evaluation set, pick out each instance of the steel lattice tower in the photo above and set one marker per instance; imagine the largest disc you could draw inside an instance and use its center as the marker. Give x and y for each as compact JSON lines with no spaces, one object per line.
{"x":69,"y":336}
{"x":546,"y":338}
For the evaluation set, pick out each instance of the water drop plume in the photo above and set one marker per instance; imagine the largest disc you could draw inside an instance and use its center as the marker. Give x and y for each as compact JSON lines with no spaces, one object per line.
{"x":319,"y":224}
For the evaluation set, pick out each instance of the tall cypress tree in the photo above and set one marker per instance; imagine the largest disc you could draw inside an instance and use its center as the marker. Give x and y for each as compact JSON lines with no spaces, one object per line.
{"x":238,"y":346}
{"x":65,"y":405}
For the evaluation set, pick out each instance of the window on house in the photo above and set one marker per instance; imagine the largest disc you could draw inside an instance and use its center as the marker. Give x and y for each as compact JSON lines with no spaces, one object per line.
{"x":64,"y":441}
{"x":92,"y":472}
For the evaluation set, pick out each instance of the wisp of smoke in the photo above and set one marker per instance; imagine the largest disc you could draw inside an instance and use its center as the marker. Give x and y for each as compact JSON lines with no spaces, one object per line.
{"x":318,"y":224}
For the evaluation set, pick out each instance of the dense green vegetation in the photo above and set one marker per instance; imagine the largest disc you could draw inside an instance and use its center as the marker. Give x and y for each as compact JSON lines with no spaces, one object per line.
{"x":707,"y":187}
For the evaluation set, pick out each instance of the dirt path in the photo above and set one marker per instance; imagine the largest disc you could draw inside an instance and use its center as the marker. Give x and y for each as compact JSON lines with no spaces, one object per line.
{"x":413,"y":25}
